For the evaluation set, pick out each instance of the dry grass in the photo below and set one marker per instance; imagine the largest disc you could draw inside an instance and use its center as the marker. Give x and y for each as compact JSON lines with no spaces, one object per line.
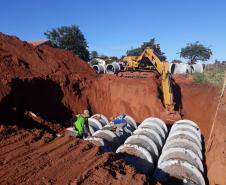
{"x":213,"y":74}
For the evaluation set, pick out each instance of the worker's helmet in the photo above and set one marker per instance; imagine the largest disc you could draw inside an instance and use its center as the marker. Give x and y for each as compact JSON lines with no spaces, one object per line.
{"x":86,"y":113}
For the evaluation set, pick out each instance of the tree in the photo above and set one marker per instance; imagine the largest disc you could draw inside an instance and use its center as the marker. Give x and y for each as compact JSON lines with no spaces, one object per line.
{"x":176,"y":61}
{"x":69,"y":38}
{"x":217,"y":61}
{"x":104,"y":57}
{"x":94,"y":62}
{"x":114,"y":59}
{"x":152,"y":44}
{"x":93,"y":54}
{"x":196,"y":51}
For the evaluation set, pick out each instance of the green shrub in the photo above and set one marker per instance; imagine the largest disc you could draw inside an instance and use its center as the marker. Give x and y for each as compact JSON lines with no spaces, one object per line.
{"x":94,"y":62}
{"x":213,"y":76}
{"x":199,"y":78}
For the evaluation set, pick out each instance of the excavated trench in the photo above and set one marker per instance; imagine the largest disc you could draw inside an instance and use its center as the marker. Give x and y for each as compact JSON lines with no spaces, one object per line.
{"x":39,"y":95}
{"x":107,"y":95}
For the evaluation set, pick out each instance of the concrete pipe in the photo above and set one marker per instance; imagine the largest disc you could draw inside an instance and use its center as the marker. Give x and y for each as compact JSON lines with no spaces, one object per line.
{"x":101,"y":128}
{"x":104,"y":145}
{"x":100,"y":69}
{"x":154,"y":126}
{"x":183,"y":143}
{"x":184,"y":127}
{"x":154,"y":136}
{"x":188,"y":122}
{"x":181,"y":170}
{"x":193,"y":127}
{"x":157,"y":121}
{"x":186,"y":135}
{"x":107,"y":127}
{"x":113,"y":68}
{"x":131,"y":123}
{"x":71,"y":132}
{"x":196,"y":68}
{"x":145,"y":142}
{"x":106,"y":135}
{"x":183,"y":155}
{"x":138,"y":156}
{"x":179,"y":68}
{"x":94,"y":125}
{"x":110,"y":138}
{"x":149,"y":137}
{"x":101,"y":118}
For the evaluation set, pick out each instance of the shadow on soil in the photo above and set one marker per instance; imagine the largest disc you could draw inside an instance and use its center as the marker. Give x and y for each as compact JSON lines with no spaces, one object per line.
{"x":40,"y":96}
{"x":142,"y":166}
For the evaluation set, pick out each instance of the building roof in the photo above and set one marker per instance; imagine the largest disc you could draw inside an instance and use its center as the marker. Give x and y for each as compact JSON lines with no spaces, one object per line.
{"x":39,"y":42}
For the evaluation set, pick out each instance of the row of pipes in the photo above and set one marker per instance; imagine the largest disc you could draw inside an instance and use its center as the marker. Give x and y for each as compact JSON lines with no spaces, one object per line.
{"x":151,"y":149}
{"x":112,"y":68}
{"x":106,"y":137}
{"x":175,"y":68}
{"x":181,"y":68}
{"x":181,"y":156}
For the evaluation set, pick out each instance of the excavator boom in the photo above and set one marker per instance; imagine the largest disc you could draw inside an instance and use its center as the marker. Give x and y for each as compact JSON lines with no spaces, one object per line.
{"x":161,"y":67}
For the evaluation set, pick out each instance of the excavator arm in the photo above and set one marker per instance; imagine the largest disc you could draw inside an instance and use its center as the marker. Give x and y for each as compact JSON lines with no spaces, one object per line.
{"x":162,"y":68}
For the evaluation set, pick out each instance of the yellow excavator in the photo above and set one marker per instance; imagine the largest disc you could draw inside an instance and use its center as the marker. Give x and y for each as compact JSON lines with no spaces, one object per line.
{"x":149,"y":61}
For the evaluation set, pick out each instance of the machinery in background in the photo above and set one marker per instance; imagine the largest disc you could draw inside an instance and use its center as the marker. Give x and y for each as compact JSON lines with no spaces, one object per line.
{"x":149,"y":61}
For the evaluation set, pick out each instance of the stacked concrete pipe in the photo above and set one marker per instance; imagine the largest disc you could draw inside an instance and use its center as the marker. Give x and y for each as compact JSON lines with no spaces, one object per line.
{"x":181,"y":156}
{"x":143,"y":148}
{"x":113,"y":68}
{"x":100,"y":69}
{"x":196,"y":68}
{"x":107,"y":138}
{"x":179,"y":68}
{"x":96,"y":122}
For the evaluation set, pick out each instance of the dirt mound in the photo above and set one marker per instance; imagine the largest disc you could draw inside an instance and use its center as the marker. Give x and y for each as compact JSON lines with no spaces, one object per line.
{"x":41,"y":79}
{"x":40,"y":89}
{"x":25,"y":61}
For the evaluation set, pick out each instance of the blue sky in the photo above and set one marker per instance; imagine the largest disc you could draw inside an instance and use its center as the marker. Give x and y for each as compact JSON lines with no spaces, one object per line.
{"x":113,"y":26}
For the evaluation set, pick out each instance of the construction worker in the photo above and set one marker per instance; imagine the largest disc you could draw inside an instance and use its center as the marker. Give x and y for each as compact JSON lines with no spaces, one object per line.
{"x":80,"y":124}
{"x":121,"y":125}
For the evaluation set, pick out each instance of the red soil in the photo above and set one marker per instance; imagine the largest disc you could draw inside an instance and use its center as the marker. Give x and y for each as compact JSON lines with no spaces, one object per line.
{"x":30,"y":157}
{"x":199,"y":103}
{"x":54,"y":84}
{"x":112,"y":95}
{"x":216,"y":150}
{"x":28,"y":72}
